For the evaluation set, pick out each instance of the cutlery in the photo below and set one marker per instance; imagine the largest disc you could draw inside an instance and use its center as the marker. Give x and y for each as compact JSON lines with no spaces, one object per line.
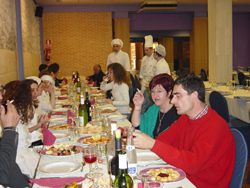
{"x":83,"y":164}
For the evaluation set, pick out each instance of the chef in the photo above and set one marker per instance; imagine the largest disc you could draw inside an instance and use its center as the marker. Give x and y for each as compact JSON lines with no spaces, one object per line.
{"x":148,"y":63}
{"x":118,"y":56}
{"x":161,"y":65}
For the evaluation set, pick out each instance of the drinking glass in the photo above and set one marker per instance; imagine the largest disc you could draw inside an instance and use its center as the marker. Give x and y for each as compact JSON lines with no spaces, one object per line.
{"x":72,"y":133}
{"x":152,"y":184}
{"x":99,"y":155}
{"x":234,"y":88}
{"x":106,"y":124}
{"x":90,"y":156}
{"x":145,"y":177}
{"x":95,"y":176}
{"x":46,"y":86}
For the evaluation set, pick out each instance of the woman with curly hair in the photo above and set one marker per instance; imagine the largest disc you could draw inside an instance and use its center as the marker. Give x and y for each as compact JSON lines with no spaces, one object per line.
{"x":20,"y":93}
{"x":120,"y":88}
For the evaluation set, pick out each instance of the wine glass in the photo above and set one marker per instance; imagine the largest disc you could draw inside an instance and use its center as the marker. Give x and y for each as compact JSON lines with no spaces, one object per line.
{"x":95,"y":176}
{"x":144,"y":177}
{"x":99,"y":155}
{"x":234,"y":88}
{"x":90,"y":156}
{"x":106,"y":124}
{"x":152,"y":184}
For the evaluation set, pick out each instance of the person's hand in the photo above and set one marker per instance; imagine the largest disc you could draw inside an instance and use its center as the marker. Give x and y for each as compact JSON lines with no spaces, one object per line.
{"x":143,"y":141}
{"x":105,"y":78}
{"x":11,"y":118}
{"x":138,"y":98}
{"x":44,"y":119}
{"x":108,"y":101}
{"x":50,"y":88}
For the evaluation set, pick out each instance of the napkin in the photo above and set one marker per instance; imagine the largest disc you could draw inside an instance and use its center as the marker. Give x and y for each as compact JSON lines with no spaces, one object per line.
{"x":121,"y":129}
{"x":95,"y":84}
{"x":139,"y":185}
{"x":90,"y":82}
{"x":56,"y":182}
{"x":63,"y":90}
{"x":244,"y":99}
{"x":65,"y":80}
{"x":70,"y":114}
{"x":56,"y":113}
{"x":93,"y":102}
{"x":62,"y":98}
{"x":48,"y":138}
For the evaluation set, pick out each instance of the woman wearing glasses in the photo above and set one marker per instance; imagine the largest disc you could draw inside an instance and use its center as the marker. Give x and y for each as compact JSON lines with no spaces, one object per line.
{"x":161,"y":114}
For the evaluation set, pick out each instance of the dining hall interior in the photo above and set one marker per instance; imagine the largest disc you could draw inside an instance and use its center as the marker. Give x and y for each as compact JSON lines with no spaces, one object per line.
{"x":213,"y":35}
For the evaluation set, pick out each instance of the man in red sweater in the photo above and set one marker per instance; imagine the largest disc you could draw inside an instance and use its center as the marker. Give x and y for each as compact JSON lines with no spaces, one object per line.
{"x":200,"y":142}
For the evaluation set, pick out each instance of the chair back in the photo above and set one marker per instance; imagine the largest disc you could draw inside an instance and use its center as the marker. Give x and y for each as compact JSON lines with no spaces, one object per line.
{"x":132,"y":80}
{"x":241,"y":77}
{"x":137,"y":82}
{"x":240,"y":159}
{"x":203,"y":76}
{"x":219,"y":104}
{"x":202,"y":70}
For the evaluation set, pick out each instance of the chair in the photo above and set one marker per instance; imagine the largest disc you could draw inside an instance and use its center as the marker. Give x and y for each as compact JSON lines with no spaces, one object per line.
{"x":131,"y":92}
{"x":132,"y":80}
{"x":203,"y":76}
{"x":202,"y":70}
{"x":219,"y":104}
{"x":241,"y":153}
{"x":241,"y":77}
{"x":137,"y":82}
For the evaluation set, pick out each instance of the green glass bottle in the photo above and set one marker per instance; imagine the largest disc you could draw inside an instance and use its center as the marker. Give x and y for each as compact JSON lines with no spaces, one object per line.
{"x":83,"y":118}
{"x":123,"y":180}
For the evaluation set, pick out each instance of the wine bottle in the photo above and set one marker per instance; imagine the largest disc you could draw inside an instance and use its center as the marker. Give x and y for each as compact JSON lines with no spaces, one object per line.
{"x":123,"y":180}
{"x":78,"y":86}
{"x":131,"y":153}
{"x":87,"y":105}
{"x":118,"y":148}
{"x":83,"y":119}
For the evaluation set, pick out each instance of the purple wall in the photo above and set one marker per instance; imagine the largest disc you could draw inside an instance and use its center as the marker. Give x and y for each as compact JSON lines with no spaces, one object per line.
{"x":161,"y":22}
{"x":241,"y":40}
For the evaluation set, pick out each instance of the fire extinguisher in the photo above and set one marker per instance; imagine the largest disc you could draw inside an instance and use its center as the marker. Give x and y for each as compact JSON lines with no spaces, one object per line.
{"x":47,"y":54}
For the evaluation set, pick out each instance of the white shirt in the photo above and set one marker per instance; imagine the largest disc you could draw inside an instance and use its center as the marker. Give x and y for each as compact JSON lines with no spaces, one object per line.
{"x":147,"y":70}
{"x":119,"y":57}
{"x":162,"y":67}
{"x":120,"y":95}
{"x":44,"y":102}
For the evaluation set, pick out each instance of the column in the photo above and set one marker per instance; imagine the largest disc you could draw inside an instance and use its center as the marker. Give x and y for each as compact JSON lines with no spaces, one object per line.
{"x":220,"y":39}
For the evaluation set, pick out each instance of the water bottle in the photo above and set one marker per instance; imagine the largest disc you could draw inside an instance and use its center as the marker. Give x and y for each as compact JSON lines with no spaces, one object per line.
{"x":131,"y":153}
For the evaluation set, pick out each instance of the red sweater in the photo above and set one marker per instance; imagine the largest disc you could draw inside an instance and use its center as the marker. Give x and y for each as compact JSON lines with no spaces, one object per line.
{"x":203,"y":148}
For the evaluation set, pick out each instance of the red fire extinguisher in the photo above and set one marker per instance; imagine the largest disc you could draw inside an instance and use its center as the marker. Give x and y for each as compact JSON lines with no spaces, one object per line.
{"x":47,"y":50}
{"x":47,"y":54}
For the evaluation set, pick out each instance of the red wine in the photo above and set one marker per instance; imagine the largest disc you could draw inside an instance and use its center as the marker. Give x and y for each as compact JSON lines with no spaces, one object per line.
{"x":90,"y":158}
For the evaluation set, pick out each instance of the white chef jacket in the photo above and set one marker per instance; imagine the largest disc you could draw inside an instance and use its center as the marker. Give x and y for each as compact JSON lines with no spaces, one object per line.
{"x":119,"y":57}
{"x":147,"y":70}
{"x":161,"y":67}
{"x":120,"y":95}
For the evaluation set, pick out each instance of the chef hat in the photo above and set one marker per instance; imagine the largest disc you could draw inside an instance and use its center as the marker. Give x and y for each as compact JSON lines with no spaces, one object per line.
{"x":148,"y":41}
{"x":35,"y":78}
{"x":48,"y":78}
{"x":117,"y":41}
{"x":160,"y":50}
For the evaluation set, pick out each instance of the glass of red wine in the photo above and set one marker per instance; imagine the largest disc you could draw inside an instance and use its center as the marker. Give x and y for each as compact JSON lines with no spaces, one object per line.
{"x":90,"y":156}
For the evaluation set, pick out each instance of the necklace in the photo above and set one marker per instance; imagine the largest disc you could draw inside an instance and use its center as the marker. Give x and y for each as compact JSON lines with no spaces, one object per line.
{"x":160,"y":119}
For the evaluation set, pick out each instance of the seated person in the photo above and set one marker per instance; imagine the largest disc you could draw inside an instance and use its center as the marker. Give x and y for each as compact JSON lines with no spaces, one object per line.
{"x":162,"y":114}
{"x":54,"y":72}
{"x":120,"y":90}
{"x":43,"y":67}
{"x":10,"y":173}
{"x":97,"y":76}
{"x":26,"y":158}
{"x":200,"y":142}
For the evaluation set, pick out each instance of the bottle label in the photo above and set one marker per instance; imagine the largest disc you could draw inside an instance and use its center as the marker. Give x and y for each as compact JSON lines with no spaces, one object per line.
{"x":81,"y":121}
{"x":130,"y":147}
{"x":132,"y":169}
{"x":122,"y":161}
{"x":78,"y":89}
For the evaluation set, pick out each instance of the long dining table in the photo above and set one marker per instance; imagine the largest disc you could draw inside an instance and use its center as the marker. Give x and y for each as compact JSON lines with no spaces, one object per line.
{"x":143,"y":163}
{"x":236,"y":106}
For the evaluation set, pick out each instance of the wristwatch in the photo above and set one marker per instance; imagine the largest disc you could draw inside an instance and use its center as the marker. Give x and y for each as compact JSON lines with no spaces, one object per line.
{"x":10,"y":128}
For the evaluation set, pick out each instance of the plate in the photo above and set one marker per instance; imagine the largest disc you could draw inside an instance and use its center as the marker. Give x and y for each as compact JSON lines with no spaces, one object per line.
{"x":53,"y":128}
{"x":221,"y":83}
{"x":113,"y":109}
{"x":225,"y":93}
{"x":94,"y":87}
{"x":60,"y":148}
{"x":59,"y":110}
{"x":240,"y":87}
{"x":58,"y":120}
{"x":147,"y":156}
{"x":182,"y":174}
{"x":60,"y":167}
{"x":117,"y":117}
{"x":59,"y":136}
{"x":88,"y":140}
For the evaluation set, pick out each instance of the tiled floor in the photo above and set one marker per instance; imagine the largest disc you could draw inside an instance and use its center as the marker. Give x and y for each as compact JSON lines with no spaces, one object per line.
{"x":245,"y":184}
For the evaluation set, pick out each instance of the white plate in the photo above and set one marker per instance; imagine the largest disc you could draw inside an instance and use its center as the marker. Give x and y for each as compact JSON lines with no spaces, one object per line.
{"x":59,"y":136}
{"x":145,"y":157}
{"x":117,"y":117}
{"x":59,"y":110}
{"x":94,"y":87}
{"x":58,"y":119}
{"x":59,"y":167}
{"x":111,"y":107}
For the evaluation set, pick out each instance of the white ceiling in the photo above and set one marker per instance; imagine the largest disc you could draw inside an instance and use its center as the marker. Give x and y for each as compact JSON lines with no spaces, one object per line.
{"x":80,"y":2}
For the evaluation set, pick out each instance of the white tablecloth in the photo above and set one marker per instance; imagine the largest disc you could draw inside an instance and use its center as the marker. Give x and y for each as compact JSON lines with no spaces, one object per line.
{"x":236,"y":107}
